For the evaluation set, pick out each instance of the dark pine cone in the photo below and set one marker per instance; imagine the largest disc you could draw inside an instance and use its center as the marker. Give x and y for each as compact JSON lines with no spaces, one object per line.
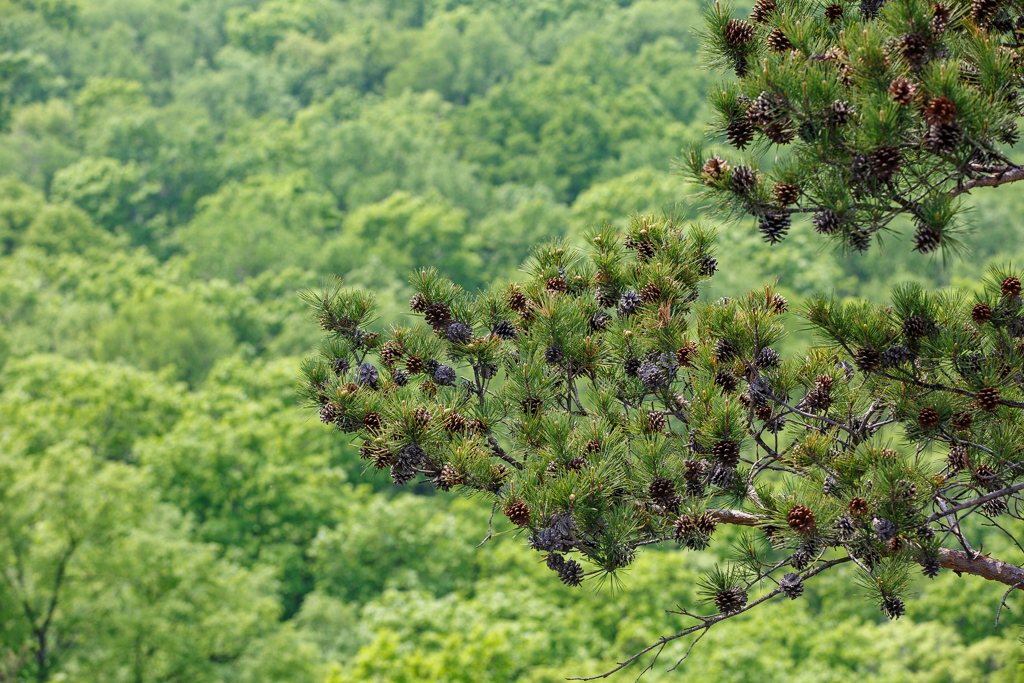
{"x":766,"y":358}
{"x":414,"y":365}
{"x":663,"y":492}
{"x":517,"y":301}
{"x":834,"y":13}
{"x":867,"y":359}
{"x":825,"y":221}
{"x":761,"y":11}
{"x":744,"y":178}
{"x":444,"y":375}
{"x":903,"y":91}
{"x":884,"y":528}
{"x":739,"y":133}
{"x":506,"y":330}
{"x":988,"y":398}
{"x":726,"y":452}
{"x":869,"y":8}
{"x":939,"y":111}
{"x":927,"y":418}
{"x":778,"y":42}
{"x":940,"y":18}
{"x":1010,"y":287}
{"x":726,"y":380}
{"x":730,"y":599}
{"x":556,"y":284}
{"x":780,"y":132}
{"x":328,"y":413}
{"x":994,"y":507}
{"x":517,"y":512}
{"x":930,"y":567}
{"x":724,"y":350}
{"x":438,"y":315}
{"x":926,"y":238}
{"x":607,"y":297}
{"x":400,"y":377}
{"x":368,"y":375}
{"x":893,"y":606}
{"x":531,"y":406}
{"x":981,"y":313}
{"x":801,"y":519}
{"x":571,"y":573}
{"x":917,"y":325}
{"x":846,"y":527}
{"x":708,"y":266}
{"x":458,"y":333}
{"x":943,"y":138}
{"x":738,"y":32}
{"x":897,"y":355}
{"x":652,"y":375}
{"x":340,"y":366}
{"x":418,"y":303}
{"x":645,"y":250}
{"x":553,"y":355}
{"x":914,"y":48}
{"x":779,"y":303}
{"x":982,"y":10}
{"x":786,"y":193}
{"x":885,"y":161}
{"x":792,"y":585}
{"x":774,"y":226}
{"x":632,"y":366}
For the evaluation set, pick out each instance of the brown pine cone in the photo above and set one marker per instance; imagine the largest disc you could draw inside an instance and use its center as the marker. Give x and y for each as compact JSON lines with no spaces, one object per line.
{"x":650,"y":292}
{"x":940,"y":18}
{"x":715,"y":169}
{"x":858,"y":507}
{"x":418,"y":303}
{"x":1010,"y":287}
{"x":477,"y":426}
{"x":761,"y":11}
{"x":656,"y":423}
{"x":867,"y":359}
{"x":779,"y":303}
{"x":927,"y":418}
{"x":454,"y":423}
{"x":517,"y":301}
{"x":801,"y":519}
{"x":451,"y":477}
{"x":988,"y":398}
{"x":902,"y":91}
{"x":645,"y":250}
{"x":957,"y":458}
{"x":556,"y":284}
{"x":939,"y":111}
{"x":517,"y":512}
{"x":738,"y":32}
{"x":686,"y":354}
{"x":914,"y":47}
{"x":786,"y":193}
{"x":885,"y":161}
{"x":421,"y":418}
{"x":963,"y":420}
{"x":438,"y":316}
{"x":834,"y":13}
{"x":428,"y":389}
{"x":778,"y":42}
{"x":706,"y":523}
{"x":981,"y":313}
{"x":763,"y":413}
{"x":390,"y":352}
{"x":373,"y":422}
{"x":414,"y":365}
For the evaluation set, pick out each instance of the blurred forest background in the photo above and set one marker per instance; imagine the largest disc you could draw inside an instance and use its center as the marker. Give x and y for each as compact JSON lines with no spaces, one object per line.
{"x":172,"y":171}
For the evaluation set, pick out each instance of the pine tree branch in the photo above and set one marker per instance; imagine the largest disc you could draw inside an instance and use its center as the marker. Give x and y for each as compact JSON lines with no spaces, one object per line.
{"x":1010,"y":174}
{"x":957,"y":560}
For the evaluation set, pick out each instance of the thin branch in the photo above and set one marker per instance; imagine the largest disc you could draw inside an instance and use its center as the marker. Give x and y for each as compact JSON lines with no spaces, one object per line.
{"x":1003,"y":602}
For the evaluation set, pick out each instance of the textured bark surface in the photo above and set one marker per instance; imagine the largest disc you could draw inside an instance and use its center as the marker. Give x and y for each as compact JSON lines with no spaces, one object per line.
{"x":957,"y":560}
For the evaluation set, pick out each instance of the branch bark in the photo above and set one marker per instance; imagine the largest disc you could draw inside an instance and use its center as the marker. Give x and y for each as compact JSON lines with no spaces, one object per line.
{"x":957,"y":560}
{"x":1010,"y":175}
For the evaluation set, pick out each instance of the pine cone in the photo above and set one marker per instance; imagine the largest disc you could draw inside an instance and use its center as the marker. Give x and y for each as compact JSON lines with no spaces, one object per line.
{"x":840,"y":112}
{"x":957,"y":459}
{"x":761,"y":11}
{"x":885,"y":161}
{"x":738,"y":32}
{"x":571,"y":573}
{"x":454,"y":423}
{"x":506,"y":330}
{"x":444,"y":375}
{"x":730,"y":600}
{"x":982,"y":10}
{"x":726,"y":380}
{"x":834,"y":13}
{"x":1010,"y":287}
{"x":893,"y":606}
{"x":825,"y":221}
{"x":778,"y":42}
{"x":656,"y":423}
{"x":774,"y":226}
{"x":743,"y":179}
{"x":400,"y":377}
{"x":517,"y":301}
{"x":438,"y":316}
{"x":556,"y":284}
{"x":428,"y":389}
{"x":726,"y":452}
{"x":801,"y":519}
{"x":927,"y":418}
{"x":988,"y":398}
{"x":963,"y":420}
{"x":739,"y":133}
{"x":531,"y":406}
{"x":390,"y":353}
{"x":792,"y":585}
{"x":867,"y":359}
{"x":686,"y":354}
{"x":786,"y":193}
{"x":650,"y":293}
{"x":939,"y":111}
{"x":329,"y":413}
{"x":981,"y":313}
{"x":858,"y":507}
{"x":418,"y":303}
{"x":884,"y":529}
{"x":724,"y":351}
{"x":414,"y":365}
{"x":930,"y":567}
{"x":373,"y":422}
{"x":917,"y":325}
{"x":767,"y":358}
{"x":708,"y":266}
{"x":517,"y":512}
{"x":903,"y":91}
{"x":715,"y":169}
{"x":926,"y":238}
{"x":940,"y":18}
{"x":914,"y":48}
{"x":943,"y":138}
{"x":458,"y":333}
{"x":553,"y":355}
{"x":705,"y":524}
{"x":575,"y":464}
{"x":661,"y":489}
{"x":421,"y":418}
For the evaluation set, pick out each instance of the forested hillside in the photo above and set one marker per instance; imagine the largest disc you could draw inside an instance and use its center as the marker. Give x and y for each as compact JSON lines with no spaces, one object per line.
{"x":172,"y":172}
